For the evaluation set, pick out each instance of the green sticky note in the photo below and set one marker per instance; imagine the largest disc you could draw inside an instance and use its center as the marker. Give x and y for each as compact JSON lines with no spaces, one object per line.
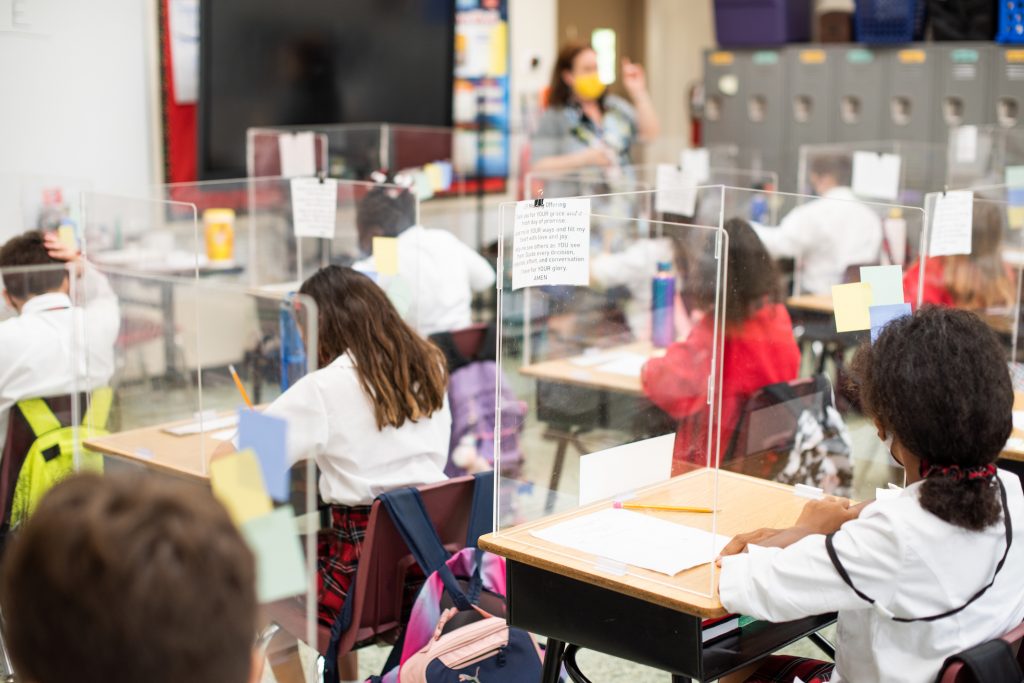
{"x":886,"y":284}
{"x":280,"y":566}
{"x":1015,"y":176}
{"x":852,"y":303}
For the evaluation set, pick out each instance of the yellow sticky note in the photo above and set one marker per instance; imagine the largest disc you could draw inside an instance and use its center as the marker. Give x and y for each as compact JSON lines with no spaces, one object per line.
{"x":385,"y":255}
{"x":433,"y":172}
{"x":499,"y":51}
{"x":852,"y":303}
{"x":238,"y":483}
{"x":66,"y":234}
{"x":1016,"y":217}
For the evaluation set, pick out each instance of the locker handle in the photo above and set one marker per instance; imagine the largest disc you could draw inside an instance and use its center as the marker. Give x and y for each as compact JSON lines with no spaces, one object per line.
{"x":802,"y":107}
{"x":757,"y":106}
{"x":849,"y":109}
{"x":953,"y":111}
{"x":1007,"y":112}
{"x":899,"y":108}
{"x":713,"y":108}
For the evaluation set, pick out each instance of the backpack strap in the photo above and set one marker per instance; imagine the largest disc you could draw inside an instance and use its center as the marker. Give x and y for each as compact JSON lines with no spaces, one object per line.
{"x":39,"y":416}
{"x":481,"y":514}
{"x":338,"y":628}
{"x":991,"y":661}
{"x":98,"y":413}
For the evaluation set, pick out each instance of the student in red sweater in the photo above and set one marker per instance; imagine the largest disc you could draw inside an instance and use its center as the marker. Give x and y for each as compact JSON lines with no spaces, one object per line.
{"x":980,"y":281}
{"x":759,"y":347}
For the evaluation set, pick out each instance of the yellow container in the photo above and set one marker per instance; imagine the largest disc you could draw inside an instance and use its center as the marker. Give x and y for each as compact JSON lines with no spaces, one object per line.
{"x":220,"y":234}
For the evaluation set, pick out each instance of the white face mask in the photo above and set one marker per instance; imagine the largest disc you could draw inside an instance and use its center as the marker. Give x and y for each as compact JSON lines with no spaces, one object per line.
{"x":887,"y":442}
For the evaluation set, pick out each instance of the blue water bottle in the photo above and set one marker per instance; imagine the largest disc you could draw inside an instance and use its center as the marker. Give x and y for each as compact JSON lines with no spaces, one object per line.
{"x":293,"y":350}
{"x":758,"y":208}
{"x":663,"y":298}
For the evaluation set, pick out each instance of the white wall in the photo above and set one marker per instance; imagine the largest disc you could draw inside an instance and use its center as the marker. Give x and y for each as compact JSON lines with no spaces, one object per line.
{"x":533,"y":28}
{"x":74,"y":97}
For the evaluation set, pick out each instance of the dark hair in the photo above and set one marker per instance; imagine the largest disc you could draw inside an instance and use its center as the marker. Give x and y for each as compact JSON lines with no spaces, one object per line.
{"x":29,"y":249}
{"x":384,"y":212}
{"x":126,"y":578}
{"x":838,"y":166}
{"x":981,"y":279}
{"x":752,"y":279}
{"x":402,"y":374}
{"x":559,"y":92}
{"x":938,"y":382}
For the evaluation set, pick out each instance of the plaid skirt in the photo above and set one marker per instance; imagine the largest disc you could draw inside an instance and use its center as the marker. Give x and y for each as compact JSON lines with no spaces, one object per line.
{"x":783,"y":669}
{"x":338,"y":551}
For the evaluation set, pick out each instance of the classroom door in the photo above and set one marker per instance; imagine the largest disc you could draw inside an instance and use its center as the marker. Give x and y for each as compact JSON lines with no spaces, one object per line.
{"x":614,"y":27}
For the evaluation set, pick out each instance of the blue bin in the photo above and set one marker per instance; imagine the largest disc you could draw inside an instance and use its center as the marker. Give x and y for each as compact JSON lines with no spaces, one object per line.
{"x":1011,"y":21}
{"x":762,"y":22}
{"x":881,"y":22}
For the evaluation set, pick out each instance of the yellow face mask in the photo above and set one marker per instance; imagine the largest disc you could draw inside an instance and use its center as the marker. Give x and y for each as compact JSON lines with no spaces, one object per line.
{"x":588,"y":87}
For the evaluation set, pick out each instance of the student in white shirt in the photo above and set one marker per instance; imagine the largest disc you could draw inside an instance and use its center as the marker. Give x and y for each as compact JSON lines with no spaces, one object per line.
{"x":829,"y":234}
{"x":53,"y":347}
{"x":374,"y":416}
{"x":932,"y":572}
{"x":437,"y":274}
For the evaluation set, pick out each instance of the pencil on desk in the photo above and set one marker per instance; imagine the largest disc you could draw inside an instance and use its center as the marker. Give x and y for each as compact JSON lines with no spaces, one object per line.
{"x":670,"y":508}
{"x":241,"y":387}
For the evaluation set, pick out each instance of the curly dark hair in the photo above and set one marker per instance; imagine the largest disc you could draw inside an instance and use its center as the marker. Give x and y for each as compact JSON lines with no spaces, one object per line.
{"x":384,"y":211}
{"x":938,"y":382}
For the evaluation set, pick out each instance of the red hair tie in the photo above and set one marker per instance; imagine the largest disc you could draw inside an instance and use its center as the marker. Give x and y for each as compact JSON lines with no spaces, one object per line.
{"x":957,"y":473}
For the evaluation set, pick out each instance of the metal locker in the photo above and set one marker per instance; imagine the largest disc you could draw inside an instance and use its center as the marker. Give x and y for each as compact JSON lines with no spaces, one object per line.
{"x":763,"y":128}
{"x":806,"y":110}
{"x":860,"y":83}
{"x":1008,"y":87}
{"x":725,"y":97}
{"x":909,"y":95}
{"x":962,"y":95}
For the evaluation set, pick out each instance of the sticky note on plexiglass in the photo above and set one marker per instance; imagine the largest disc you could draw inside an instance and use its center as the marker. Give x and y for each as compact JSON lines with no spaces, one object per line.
{"x":886,"y":284}
{"x":385,"y":255}
{"x":551,"y":243}
{"x":851,"y":303}
{"x":267,"y":436}
{"x":237,"y":482}
{"x":280,"y":567}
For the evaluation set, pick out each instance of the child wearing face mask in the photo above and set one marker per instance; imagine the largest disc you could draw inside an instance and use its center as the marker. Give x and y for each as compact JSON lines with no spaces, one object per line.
{"x":922,"y":576}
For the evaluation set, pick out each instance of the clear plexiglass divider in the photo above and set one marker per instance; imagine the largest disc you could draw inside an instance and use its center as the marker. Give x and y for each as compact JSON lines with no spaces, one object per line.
{"x":978,"y":156}
{"x":582,"y":456}
{"x":191,"y":366}
{"x":896,"y":171}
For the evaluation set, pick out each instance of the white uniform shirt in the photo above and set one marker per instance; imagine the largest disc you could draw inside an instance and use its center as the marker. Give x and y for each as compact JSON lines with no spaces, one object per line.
{"x":438,"y":275}
{"x":330,"y":419}
{"x":53,"y":349}
{"x":826,"y":237}
{"x":635,"y":268}
{"x":908,"y":560}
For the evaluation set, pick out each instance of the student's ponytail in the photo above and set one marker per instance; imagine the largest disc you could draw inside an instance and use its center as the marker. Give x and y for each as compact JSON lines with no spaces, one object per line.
{"x":964,"y":497}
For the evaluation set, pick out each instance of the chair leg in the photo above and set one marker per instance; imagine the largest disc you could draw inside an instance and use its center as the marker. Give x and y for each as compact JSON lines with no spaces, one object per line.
{"x":823,"y":645}
{"x":571,"y":668}
{"x":6,"y":668}
{"x":552,"y":661}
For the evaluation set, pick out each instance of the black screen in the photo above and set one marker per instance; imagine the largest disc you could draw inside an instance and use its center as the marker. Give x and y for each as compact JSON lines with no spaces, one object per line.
{"x":294,"y":62}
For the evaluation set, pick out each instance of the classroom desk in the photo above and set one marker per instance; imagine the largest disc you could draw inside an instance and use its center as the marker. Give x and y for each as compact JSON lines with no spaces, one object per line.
{"x":565,"y":371}
{"x":644,"y":616}
{"x":1014,"y":452}
{"x":812,"y":303}
{"x":153,"y":447}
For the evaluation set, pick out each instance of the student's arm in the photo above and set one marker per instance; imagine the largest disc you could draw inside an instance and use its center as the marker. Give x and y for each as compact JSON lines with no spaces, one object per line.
{"x":778,"y":584}
{"x":638,"y":260}
{"x":481,"y":272}
{"x":547,"y":147}
{"x":303,"y":408}
{"x":678,"y":381}
{"x":791,"y":238}
{"x":634,"y":78}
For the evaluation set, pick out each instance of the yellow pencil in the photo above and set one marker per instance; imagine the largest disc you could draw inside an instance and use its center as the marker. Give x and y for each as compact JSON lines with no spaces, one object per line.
{"x":241,"y":387}
{"x":670,"y":508}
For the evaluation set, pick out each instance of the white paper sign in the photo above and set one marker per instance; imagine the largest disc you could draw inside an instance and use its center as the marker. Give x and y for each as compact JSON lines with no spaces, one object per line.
{"x":183,"y":27}
{"x":625,"y":468}
{"x":298,"y":154}
{"x":697,"y":162}
{"x":314,"y":207}
{"x":876,"y":175}
{"x":966,"y":144}
{"x":952,"y":223}
{"x":551,"y":243}
{"x":676,"y":191}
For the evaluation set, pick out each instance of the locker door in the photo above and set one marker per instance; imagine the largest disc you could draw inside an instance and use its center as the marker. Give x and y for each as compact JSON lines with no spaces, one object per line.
{"x":910,"y":95}
{"x":963,"y":95}
{"x":806,"y":110}
{"x":858,"y":100}
{"x":1009,"y":87}
{"x":725,"y":95}
{"x":761,"y":137}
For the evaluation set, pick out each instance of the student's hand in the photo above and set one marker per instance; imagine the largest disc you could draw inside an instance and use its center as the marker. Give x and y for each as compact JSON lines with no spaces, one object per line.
{"x":740,"y":542}
{"x":634,"y":78}
{"x":58,"y":250}
{"x":595,"y":156}
{"x":827,"y":515}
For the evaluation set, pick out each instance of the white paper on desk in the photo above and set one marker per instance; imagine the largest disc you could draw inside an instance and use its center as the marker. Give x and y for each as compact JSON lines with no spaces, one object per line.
{"x":224,"y":434}
{"x":589,"y":359}
{"x":298,"y":154}
{"x":1014,"y":443}
{"x":966,"y":144}
{"x":206,"y":425}
{"x":952,"y":223}
{"x":1018,"y":419}
{"x":637,"y":539}
{"x":551,"y":243}
{"x":675,"y":191}
{"x":314,"y":207}
{"x":628,"y":364}
{"x":625,"y":468}
{"x":696,"y":162}
{"x":876,"y":175}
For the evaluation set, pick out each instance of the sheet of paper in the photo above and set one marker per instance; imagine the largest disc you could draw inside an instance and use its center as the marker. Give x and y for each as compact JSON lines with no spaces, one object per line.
{"x":208,"y":425}
{"x":224,"y":435}
{"x":237,"y":481}
{"x":267,"y":436}
{"x":314,"y":207}
{"x":615,"y":471}
{"x":551,"y":243}
{"x":966,"y":144}
{"x":385,"y":255}
{"x":851,"y":303}
{"x":696,"y":162}
{"x":882,"y":315}
{"x":676,"y":191}
{"x":1014,"y":443}
{"x":298,"y":154}
{"x":876,"y":175}
{"x":629,"y":364}
{"x":590,"y":358}
{"x":280,"y":566}
{"x":637,"y":539}
{"x":952,"y":223}
{"x":886,"y":284}
{"x":183,"y":27}
{"x":1018,"y":419}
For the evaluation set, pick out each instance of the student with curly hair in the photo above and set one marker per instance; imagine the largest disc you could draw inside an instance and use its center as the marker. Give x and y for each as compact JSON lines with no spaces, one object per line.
{"x":932,"y":572}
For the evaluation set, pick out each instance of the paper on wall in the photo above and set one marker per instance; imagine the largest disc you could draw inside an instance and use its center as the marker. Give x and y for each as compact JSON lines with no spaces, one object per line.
{"x":613,"y":471}
{"x":966,"y":144}
{"x":952,"y":223}
{"x":298,"y":154}
{"x":551,"y":243}
{"x":183,"y":28}
{"x":314,"y":207}
{"x":675,"y":191}
{"x":876,"y":175}
{"x":696,"y":162}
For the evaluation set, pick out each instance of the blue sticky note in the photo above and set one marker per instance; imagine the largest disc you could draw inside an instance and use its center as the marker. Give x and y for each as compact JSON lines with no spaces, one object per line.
{"x":883,"y":315}
{"x":268,"y":437}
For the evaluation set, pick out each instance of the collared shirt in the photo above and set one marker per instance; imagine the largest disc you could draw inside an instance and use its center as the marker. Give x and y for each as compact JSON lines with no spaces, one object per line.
{"x":437,"y":276}
{"x":826,"y":236}
{"x":565,"y":130}
{"x":55,"y":349}
{"x":330,"y":418}
{"x":908,"y":560}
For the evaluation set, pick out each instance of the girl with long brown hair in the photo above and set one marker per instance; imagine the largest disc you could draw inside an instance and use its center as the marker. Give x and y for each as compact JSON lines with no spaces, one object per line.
{"x":374,"y":416}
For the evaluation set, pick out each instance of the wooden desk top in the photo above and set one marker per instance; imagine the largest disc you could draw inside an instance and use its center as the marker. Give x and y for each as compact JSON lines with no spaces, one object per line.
{"x":1014,"y":453}
{"x":153,"y":447}
{"x":745,"y":504}
{"x":565,"y":371}
{"x":815,"y":303}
